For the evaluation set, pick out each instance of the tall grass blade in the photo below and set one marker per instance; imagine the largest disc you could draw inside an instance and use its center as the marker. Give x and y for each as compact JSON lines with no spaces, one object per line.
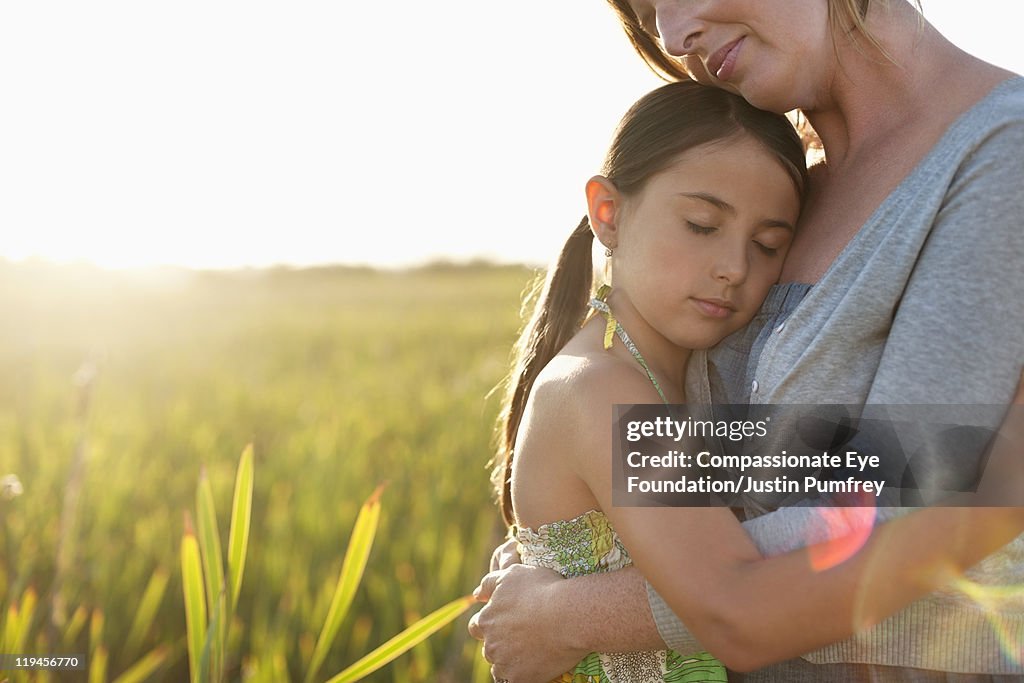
{"x":405,"y":640}
{"x":209,"y":658}
{"x":75,"y":626}
{"x":144,"y":668}
{"x":96,"y":624}
{"x":241,"y":516}
{"x":209,"y":539}
{"x":195,"y":602}
{"x":98,"y":665}
{"x":10,"y":629}
{"x":146,"y":612}
{"x":28,"y":609}
{"x":213,"y":566}
{"x":19,"y":620}
{"x":352,"y":567}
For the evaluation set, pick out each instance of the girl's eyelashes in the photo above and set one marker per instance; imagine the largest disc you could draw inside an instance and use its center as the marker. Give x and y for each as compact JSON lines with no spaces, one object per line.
{"x":699,"y":229}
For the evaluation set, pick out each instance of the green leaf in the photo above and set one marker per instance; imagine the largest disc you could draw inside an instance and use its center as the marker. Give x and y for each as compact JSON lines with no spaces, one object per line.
{"x":209,"y":539}
{"x":19,"y":619}
{"x":146,"y":612}
{"x":195,"y":602}
{"x":241,"y":516}
{"x":212,"y":658}
{"x":404,"y":641}
{"x":10,"y":629}
{"x":98,"y":666}
{"x":96,"y":624}
{"x":75,"y":626}
{"x":213,"y":566}
{"x":145,"y":667}
{"x":351,"y":574}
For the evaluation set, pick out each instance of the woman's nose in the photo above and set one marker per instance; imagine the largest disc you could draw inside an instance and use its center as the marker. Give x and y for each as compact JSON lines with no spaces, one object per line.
{"x":678,"y":29}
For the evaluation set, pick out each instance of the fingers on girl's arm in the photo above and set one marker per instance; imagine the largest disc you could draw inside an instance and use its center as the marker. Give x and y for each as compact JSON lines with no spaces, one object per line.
{"x":485,"y":590}
{"x":505,"y":555}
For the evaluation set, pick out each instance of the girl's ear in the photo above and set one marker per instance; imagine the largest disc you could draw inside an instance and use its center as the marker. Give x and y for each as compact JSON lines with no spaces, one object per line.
{"x":603,"y":206}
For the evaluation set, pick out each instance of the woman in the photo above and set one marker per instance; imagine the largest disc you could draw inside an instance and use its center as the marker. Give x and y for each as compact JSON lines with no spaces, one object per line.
{"x":906,"y":269}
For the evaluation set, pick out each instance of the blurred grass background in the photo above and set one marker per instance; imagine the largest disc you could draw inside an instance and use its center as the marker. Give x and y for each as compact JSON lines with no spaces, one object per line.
{"x":117,"y":388}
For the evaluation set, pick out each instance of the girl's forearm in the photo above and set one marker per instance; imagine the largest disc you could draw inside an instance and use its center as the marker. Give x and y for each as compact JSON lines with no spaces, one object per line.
{"x":606,"y":612}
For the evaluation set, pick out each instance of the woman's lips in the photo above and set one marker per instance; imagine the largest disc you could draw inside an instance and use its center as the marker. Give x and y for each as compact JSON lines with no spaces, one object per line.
{"x":714,"y":308}
{"x":723,"y":63}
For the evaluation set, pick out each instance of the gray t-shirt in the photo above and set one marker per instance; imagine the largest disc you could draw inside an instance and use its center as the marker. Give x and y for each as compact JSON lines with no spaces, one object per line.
{"x":925,"y":305}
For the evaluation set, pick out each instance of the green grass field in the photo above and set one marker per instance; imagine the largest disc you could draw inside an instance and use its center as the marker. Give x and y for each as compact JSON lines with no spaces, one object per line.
{"x":116,"y":391}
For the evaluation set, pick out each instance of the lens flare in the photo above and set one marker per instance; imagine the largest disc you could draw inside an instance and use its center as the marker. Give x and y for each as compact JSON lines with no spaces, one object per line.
{"x":847,"y":528}
{"x":992,"y":600}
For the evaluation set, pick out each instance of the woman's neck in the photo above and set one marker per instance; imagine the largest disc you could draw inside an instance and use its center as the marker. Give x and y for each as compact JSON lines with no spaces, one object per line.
{"x":874,"y":99}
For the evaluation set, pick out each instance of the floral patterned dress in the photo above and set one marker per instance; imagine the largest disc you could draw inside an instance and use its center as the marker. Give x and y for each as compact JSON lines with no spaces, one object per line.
{"x":588,"y":545}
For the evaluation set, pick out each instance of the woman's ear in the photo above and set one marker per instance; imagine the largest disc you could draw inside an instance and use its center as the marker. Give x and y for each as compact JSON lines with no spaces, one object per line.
{"x":603,"y":206}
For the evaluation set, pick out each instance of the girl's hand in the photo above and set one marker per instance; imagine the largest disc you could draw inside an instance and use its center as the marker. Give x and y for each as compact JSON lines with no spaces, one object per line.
{"x":524,"y":639}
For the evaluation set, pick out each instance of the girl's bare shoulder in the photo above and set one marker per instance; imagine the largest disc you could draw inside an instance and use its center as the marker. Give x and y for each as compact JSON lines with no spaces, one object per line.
{"x":579,"y":384}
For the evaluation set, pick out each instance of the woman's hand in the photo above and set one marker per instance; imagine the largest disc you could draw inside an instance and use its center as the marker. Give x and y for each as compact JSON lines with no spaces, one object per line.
{"x":505,"y":555}
{"x":525,"y":640}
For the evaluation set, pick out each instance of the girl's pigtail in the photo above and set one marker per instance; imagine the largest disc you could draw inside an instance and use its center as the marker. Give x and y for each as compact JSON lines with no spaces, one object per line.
{"x":560,"y":309}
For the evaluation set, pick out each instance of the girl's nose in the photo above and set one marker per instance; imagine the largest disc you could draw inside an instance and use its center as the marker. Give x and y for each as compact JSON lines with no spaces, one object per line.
{"x":731,"y":266}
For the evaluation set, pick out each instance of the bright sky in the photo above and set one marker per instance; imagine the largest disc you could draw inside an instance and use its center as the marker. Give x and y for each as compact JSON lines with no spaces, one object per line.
{"x":216,"y":133}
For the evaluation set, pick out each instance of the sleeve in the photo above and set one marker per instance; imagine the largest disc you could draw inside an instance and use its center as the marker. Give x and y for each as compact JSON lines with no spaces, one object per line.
{"x":773,"y":534}
{"x":675,"y":634}
{"x":958,"y":334}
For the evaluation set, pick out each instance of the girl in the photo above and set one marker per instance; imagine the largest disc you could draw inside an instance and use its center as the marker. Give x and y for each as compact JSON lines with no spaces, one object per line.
{"x":695,"y":207}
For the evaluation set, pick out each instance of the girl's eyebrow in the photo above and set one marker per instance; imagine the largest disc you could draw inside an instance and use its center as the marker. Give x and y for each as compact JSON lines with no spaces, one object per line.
{"x":723,"y":205}
{"x":778,"y":223}
{"x":710,"y":199}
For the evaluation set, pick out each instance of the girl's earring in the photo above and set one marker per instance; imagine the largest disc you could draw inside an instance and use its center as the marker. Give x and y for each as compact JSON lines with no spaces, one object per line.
{"x":608,"y":252}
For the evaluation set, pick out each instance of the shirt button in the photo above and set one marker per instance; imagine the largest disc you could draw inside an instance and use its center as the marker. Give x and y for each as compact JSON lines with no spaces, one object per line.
{"x":753,"y":387}
{"x":780,"y":328}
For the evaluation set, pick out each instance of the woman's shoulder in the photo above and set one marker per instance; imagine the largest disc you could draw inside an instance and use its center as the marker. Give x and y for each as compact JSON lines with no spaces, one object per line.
{"x":1000,"y":109}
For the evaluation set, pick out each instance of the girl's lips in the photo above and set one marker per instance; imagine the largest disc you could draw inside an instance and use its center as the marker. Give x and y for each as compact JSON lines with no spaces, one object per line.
{"x":713,"y":309}
{"x":728,"y":56}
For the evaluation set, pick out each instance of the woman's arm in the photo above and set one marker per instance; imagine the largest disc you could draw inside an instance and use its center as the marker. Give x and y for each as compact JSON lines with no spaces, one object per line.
{"x":537,"y":625}
{"x":956,"y":336}
{"x":710,"y":572}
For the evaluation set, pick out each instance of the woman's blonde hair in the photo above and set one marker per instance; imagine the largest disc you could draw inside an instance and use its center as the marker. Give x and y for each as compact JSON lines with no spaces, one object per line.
{"x":847,"y":17}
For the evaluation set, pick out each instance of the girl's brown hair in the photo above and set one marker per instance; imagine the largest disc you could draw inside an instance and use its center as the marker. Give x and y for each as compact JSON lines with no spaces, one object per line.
{"x":658,"y":128}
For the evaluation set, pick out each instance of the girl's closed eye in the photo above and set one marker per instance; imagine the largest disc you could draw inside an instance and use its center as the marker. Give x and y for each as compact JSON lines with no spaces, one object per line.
{"x":774,"y":240}
{"x":700,"y":229}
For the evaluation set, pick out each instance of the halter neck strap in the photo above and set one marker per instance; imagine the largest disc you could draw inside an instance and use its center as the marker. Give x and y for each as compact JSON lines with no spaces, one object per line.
{"x":599,"y":304}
